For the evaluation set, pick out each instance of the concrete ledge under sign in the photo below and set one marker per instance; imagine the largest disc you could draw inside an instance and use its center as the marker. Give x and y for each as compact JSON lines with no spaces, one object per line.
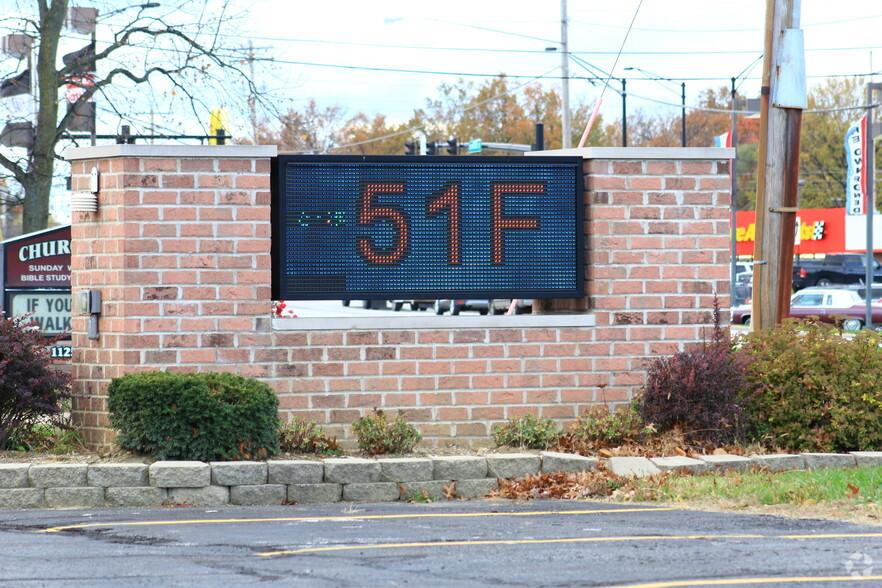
{"x":433,"y":322}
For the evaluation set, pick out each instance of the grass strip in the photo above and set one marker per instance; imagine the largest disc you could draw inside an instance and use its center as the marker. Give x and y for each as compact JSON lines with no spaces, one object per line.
{"x":858,"y":485}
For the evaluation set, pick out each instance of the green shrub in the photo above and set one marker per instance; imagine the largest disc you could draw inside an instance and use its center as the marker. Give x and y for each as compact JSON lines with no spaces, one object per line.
{"x":528,"y":432}
{"x":600,"y":427}
{"x":31,"y":391}
{"x":377,"y":436}
{"x":201,"y":417}
{"x":700,"y":391}
{"x":302,"y":436}
{"x":817,"y":390}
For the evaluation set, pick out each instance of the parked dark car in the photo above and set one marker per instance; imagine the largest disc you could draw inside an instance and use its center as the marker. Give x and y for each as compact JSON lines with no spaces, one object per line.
{"x":370,"y":304}
{"x":457,"y":306}
{"x":413,"y":304}
{"x":825,"y":303}
{"x":836,"y":268}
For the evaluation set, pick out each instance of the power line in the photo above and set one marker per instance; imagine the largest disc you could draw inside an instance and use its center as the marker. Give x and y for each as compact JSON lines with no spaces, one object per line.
{"x":601,"y":77}
{"x":523,"y":51}
{"x":398,"y":70}
{"x":716,"y":31}
{"x":745,"y":73}
{"x":589,"y":67}
{"x":494,"y":31}
{"x":729,"y":111}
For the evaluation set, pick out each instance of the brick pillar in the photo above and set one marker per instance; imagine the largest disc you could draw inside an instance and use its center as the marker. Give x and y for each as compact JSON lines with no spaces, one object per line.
{"x":658,"y":242}
{"x":180,"y":251}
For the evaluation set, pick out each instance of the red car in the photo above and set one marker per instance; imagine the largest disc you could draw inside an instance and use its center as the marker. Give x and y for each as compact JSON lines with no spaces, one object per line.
{"x":824,"y":303}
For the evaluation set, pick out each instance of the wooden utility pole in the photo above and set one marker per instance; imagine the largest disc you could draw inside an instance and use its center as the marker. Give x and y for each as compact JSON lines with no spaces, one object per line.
{"x":783,"y":96}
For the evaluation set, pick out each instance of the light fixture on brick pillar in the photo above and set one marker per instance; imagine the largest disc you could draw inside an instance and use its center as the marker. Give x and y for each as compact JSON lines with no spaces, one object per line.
{"x":86,"y":201}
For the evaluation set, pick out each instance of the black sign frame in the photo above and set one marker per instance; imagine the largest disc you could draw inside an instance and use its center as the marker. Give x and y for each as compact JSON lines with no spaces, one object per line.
{"x":570,"y":174}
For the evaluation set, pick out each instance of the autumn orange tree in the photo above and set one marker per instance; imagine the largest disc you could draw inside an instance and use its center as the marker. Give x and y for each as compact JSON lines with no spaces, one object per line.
{"x":373,"y":136}
{"x":493,"y":111}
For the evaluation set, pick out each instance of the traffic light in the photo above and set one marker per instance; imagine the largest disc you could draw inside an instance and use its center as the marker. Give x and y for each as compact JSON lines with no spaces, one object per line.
{"x":452,"y":147}
{"x":431,"y":148}
{"x":410,"y":148}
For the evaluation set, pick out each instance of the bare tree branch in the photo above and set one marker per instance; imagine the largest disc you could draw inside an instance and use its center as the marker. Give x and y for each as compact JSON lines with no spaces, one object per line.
{"x":175,"y":51}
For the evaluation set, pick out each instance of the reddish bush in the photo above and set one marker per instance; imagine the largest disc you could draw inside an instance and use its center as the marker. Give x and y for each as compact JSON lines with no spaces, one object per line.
{"x":30,"y":389}
{"x":699,"y":391}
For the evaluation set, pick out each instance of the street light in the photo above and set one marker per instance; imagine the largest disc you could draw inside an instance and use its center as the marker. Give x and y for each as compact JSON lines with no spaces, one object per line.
{"x":870,"y":207}
{"x":565,"y":77}
{"x":655,"y":77}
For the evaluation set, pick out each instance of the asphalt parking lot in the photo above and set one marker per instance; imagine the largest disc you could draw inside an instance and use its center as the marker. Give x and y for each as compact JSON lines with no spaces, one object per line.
{"x":479,"y":543}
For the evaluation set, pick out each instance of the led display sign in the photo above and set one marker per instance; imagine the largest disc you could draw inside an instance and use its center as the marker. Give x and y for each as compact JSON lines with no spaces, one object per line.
{"x":391,"y":227}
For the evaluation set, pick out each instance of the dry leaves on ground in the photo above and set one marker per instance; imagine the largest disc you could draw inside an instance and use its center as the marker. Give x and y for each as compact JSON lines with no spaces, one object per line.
{"x":597,"y":483}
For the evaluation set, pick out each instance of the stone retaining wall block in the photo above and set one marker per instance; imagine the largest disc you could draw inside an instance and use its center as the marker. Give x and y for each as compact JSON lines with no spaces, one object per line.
{"x":553,"y":462}
{"x":238,"y":473}
{"x":459,"y":467}
{"x":78,"y":497}
{"x":180,"y":474}
{"x":779,"y":462}
{"x":823,"y":461}
{"x":201,"y":496}
{"x":434,"y":490}
{"x":258,"y":494}
{"x":475,"y":488}
{"x":299,"y":471}
{"x":679,"y":462}
{"x":512,"y":465}
{"x":14,"y":475}
{"x":371,"y":492}
{"x":140,"y":496}
{"x":352,"y":471}
{"x":315,"y":493}
{"x":19,"y":498}
{"x":117,"y":474}
{"x":632,"y":466}
{"x":409,"y":469}
{"x":57,"y":475}
{"x":726,"y":462}
{"x":867,"y":459}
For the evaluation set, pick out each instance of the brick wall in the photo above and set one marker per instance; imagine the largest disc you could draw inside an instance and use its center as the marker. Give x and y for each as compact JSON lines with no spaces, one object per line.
{"x":180,"y":251}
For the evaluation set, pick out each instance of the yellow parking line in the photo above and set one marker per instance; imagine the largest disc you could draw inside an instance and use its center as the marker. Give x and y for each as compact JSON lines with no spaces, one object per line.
{"x":504,"y":542}
{"x":349,"y":518}
{"x":567,"y":540}
{"x":832,"y":536}
{"x":748,"y":581}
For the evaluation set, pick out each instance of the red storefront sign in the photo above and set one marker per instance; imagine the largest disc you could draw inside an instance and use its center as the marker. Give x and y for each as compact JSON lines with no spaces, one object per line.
{"x":819,"y":230}
{"x":39,"y":260}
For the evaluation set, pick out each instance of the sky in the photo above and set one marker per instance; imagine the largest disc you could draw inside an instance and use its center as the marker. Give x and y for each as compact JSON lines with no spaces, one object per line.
{"x":390,"y":56}
{"x":344,"y":53}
